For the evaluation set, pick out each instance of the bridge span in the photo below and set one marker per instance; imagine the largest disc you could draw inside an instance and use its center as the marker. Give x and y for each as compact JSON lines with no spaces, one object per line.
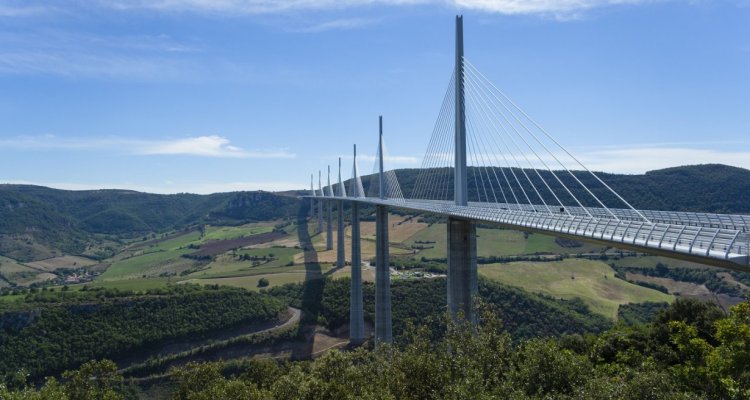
{"x":488,"y":162}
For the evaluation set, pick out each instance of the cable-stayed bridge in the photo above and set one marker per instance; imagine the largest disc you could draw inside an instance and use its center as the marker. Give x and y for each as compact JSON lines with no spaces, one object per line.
{"x":488,"y":161}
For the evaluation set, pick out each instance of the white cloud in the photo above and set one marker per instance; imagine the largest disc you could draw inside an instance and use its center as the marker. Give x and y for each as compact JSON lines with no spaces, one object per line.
{"x":234,"y":7}
{"x":250,"y":6}
{"x":557,"y":7}
{"x":205,"y":146}
{"x":208,"y":146}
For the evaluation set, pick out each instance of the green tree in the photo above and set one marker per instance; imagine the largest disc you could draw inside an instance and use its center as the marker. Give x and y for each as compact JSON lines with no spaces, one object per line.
{"x":94,"y":380}
{"x":727,"y":364}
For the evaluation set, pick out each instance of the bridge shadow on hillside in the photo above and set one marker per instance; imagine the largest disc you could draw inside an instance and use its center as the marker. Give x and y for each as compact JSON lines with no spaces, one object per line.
{"x":312,"y":287}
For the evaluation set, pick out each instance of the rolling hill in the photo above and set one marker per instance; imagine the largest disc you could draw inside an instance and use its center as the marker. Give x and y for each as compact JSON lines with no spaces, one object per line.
{"x":35,"y":221}
{"x":701,"y":188}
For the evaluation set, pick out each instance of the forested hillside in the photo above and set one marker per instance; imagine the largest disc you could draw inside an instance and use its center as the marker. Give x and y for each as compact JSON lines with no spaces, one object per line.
{"x":691,"y":351}
{"x":33,"y":216}
{"x":53,"y":331}
{"x":422,"y":302}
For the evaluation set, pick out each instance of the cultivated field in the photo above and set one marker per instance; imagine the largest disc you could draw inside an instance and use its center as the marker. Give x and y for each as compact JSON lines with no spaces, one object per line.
{"x":593,"y":282}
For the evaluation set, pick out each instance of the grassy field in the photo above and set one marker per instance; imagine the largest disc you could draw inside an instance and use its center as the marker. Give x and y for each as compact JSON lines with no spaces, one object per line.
{"x":280,"y":276}
{"x":135,"y":284}
{"x":54,"y":263}
{"x":591,"y":281}
{"x":10,"y":267}
{"x":234,"y":232}
{"x":136,"y":266}
{"x":251,"y":282}
{"x":11,"y":297}
{"x":21,"y":274}
{"x":178,"y":242}
{"x":277,"y":261}
{"x":651,"y":261}
{"x":494,"y":242}
{"x":400,"y":230}
{"x":368,"y":273}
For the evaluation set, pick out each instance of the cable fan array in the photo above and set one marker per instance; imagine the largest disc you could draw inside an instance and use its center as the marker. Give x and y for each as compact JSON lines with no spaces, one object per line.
{"x":392,"y":190}
{"x":513,"y":163}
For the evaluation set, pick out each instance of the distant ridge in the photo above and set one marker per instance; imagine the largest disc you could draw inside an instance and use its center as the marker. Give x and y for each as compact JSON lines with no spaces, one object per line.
{"x":35,"y":220}
{"x":701,"y":188}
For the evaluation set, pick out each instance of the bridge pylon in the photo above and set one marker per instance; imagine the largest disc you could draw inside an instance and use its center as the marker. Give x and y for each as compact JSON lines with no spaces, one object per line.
{"x":383,"y":323}
{"x":312,"y":199}
{"x":340,"y":254}
{"x":462,"y":234}
{"x":320,"y":205}
{"x":356,"y":303}
{"x":329,"y":216}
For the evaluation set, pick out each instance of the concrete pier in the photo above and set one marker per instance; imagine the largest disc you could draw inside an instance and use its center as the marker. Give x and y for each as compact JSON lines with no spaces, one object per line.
{"x":462,"y":268}
{"x":356,"y":304}
{"x":383,"y":324}
{"x":320,"y":206}
{"x":329,"y":227}
{"x":320,"y":217}
{"x":340,"y":246}
{"x":312,"y":201}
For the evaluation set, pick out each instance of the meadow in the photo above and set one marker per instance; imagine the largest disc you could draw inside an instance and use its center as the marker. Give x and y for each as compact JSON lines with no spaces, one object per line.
{"x":594,"y":282}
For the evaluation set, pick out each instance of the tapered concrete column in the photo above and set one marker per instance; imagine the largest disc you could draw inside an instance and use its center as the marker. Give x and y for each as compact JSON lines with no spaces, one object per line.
{"x":312,"y":201}
{"x":340,"y":255}
{"x":320,"y":217}
{"x":356,"y":304}
{"x":462,"y":267}
{"x":320,"y":206}
{"x":383,"y":324}
{"x":329,"y":217}
{"x":329,"y":228}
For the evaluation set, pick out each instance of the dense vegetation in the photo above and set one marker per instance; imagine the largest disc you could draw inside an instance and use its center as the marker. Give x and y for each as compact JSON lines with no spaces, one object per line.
{"x":422,"y":302}
{"x":51,"y":332}
{"x":640,"y":313}
{"x":708,"y":188}
{"x":691,"y":351}
{"x":64,"y":220}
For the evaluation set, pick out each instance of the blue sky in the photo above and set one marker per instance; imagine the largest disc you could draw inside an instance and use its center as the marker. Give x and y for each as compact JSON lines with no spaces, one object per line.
{"x":217,"y":95}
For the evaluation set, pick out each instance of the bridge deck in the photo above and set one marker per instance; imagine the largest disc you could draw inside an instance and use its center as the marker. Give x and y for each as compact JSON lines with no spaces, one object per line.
{"x":707,"y":220}
{"x":692,"y":236}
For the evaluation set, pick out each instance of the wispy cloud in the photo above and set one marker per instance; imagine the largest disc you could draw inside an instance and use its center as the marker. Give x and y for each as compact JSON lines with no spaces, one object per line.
{"x":15,"y":10}
{"x":255,"y":7}
{"x":203,"y":146}
{"x":339,"y":24}
{"x":251,"y":6}
{"x":64,"y":53}
{"x":207,"y":146}
{"x":553,"y":7}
